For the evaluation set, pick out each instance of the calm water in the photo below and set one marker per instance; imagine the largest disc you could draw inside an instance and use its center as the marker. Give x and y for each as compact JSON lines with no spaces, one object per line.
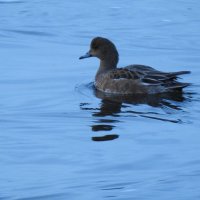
{"x":59,"y":140}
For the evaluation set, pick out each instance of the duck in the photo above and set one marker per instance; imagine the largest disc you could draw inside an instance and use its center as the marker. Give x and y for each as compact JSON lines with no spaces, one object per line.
{"x":132,"y":79}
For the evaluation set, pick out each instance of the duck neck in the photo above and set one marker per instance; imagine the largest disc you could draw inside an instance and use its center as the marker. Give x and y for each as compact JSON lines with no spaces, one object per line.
{"x":107,"y":65}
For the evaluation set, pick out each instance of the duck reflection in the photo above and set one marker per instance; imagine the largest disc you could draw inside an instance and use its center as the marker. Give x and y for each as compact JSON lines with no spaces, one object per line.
{"x":105,"y":137}
{"x":112,"y":105}
{"x":156,"y":100}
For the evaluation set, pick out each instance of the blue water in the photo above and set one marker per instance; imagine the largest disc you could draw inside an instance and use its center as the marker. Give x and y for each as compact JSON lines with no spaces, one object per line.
{"x":59,"y":140}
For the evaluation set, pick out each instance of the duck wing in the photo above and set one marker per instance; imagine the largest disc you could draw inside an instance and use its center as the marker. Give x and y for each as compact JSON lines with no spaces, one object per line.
{"x":148,"y":76}
{"x":141,"y":77}
{"x":123,"y":73}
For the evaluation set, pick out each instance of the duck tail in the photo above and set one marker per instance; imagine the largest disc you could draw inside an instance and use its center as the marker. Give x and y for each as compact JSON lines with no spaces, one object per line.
{"x":180,"y":73}
{"x":177,"y":86}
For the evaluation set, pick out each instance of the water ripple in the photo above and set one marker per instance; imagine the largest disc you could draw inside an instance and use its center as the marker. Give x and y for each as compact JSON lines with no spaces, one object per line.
{"x":30,"y":32}
{"x":11,"y":2}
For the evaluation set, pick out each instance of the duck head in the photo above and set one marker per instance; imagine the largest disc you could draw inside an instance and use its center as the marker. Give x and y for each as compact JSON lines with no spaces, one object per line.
{"x":103,"y":49}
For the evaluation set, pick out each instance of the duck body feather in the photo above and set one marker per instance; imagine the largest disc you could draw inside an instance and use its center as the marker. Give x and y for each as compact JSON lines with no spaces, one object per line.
{"x":139,"y":79}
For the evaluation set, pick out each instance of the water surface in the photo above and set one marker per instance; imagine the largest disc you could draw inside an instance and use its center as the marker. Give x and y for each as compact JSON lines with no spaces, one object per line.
{"x":60,"y":139}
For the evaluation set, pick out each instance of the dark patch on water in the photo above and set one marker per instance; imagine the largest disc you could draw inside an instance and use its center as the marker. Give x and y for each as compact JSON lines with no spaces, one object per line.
{"x":105,"y":138}
{"x":102,"y":127}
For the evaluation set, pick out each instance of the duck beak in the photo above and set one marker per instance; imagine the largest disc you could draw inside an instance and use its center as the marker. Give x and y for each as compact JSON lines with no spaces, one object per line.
{"x":87,"y":55}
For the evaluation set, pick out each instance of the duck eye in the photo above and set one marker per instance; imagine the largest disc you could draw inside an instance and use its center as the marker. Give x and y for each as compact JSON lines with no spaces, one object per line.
{"x":95,"y":47}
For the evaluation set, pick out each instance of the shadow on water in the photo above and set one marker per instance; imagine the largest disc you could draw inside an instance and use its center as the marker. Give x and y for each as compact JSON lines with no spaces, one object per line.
{"x":116,"y":106}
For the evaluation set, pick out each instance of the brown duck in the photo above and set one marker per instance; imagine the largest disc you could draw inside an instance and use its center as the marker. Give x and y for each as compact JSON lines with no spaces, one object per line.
{"x":133,"y":79}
